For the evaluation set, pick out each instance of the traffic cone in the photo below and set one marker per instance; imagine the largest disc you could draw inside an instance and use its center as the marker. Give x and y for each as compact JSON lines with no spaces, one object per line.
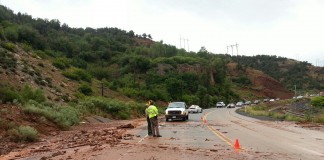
{"x":205,"y":121}
{"x":237,"y":144}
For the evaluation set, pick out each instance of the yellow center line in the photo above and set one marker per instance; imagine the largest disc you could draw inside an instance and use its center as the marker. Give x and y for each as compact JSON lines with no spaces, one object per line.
{"x":216,"y":132}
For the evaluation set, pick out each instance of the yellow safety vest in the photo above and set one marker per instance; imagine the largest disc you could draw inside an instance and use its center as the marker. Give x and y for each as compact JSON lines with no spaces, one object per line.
{"x":152,"y":111}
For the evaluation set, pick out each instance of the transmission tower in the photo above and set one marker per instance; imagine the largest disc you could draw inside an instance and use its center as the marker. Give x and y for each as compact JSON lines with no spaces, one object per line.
{"x":234,"y":45}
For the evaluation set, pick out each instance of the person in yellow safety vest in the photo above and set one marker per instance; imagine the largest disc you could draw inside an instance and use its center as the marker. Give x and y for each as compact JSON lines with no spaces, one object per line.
{"x":153,"y":115}
{"x":149,"y":128}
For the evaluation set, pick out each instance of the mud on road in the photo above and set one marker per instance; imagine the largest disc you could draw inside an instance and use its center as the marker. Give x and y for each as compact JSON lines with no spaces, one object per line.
{"x":122,"y":140}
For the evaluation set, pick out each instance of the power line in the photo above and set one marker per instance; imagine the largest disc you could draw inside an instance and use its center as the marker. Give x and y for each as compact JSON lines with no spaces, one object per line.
{"x":234,"y":45}
{"x":183,"y":42}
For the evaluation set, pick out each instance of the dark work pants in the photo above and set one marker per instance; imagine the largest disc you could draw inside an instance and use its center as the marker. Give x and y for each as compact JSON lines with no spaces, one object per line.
{"x":149,"y":127}
{"x":155,"y":126}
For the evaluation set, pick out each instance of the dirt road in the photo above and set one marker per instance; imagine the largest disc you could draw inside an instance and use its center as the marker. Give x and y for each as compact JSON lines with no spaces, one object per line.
{"x":192,"y":139}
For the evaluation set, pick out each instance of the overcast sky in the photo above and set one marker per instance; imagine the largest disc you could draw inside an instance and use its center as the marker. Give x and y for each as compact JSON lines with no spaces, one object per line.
{"x":287,"y":28}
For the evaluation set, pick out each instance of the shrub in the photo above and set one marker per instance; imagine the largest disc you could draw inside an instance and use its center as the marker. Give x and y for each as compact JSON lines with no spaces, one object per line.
{"x":63,"y":116}
{"x":320,"y":118}
{"x":26,"y":47}
{"x":117,"y":109}
{"x":61,"y":63}
{"x":8,"y":45}
{"x":318,"y":102}
{"x":78,"y":74}
{"x":85,"y":89}
{"x":290,"y":117}
{"x":130,"y":92}
{"x":41,"y":53}
{"x":242,"y":80}
{"x":11,"y":33}
{"x":8,"y":95}
{"x":7,"y":125}
{"x":28,"y":93}
{"x":23,"y":133}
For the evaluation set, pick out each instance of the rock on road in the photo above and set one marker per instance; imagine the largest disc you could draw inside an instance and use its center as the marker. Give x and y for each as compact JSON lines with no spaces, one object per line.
{"x":215,"y":139}
{"x":205,"y":136}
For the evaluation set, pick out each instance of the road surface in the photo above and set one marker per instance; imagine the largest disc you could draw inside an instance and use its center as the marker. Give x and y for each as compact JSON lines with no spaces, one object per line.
{"x":213,"y":134}
{"x":208,"y":135}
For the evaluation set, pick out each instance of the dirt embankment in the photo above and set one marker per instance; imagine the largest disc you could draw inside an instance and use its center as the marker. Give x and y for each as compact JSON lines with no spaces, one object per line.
{"x":85,"y":138}
{"x":262,"y":84}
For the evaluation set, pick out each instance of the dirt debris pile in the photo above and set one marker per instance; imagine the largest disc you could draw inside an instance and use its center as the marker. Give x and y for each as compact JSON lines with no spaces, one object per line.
{"x":61,"y":142}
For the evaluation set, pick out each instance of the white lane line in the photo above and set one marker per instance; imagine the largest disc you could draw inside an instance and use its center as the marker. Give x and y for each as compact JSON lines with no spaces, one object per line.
{"x":309,"y":150}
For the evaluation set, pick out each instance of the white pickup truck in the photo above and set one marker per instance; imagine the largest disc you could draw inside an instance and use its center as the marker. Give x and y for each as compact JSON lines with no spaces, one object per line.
{"x":177,"y":110}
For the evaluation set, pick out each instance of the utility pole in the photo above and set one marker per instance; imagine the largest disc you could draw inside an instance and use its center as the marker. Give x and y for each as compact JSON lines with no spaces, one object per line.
{"x":180,"y":41}
{"x":188,"y":44}
{"x":297,"y":57}
{"x":102,"y":87}
{"x":236,"y":45}
{"x":184,"y":43}
{"x":236,"y":48}
{"x":232,"y":49}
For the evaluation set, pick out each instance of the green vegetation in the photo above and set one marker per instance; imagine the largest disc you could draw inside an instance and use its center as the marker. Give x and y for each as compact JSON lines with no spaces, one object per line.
{"x":63,"y":116}
{"x":318,"y":102}
{"x":28,"y":93}
{"x":23,"y":133}
{"x":263,"y":110}
{"x":288,"y":72}
{"x":111,"y":107}
{"x":85,"y":89}
{"x":7,"y":60}
{"x":9,"y":94}
{"x":130,"y":63}
{"x":7,"y":125}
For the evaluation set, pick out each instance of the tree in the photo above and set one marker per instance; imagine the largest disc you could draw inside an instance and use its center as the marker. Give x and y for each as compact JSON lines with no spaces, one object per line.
{"x":203,"y":53}
{"x":144,"y":35}
{"x":131,"y":33}
{"x":175,"y":88}
{"x":201,"y":92}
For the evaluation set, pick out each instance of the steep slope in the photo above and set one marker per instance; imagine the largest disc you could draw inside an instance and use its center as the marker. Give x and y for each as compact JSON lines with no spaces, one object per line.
{"x":261,"y":86}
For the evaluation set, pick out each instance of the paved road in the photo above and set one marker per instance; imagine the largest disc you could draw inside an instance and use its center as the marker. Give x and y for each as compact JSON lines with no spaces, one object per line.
{"x":273,"y":140}
{"x":264,"y":136}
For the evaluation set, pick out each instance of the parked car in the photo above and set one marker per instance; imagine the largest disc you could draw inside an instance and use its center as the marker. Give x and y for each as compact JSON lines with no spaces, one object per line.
{"x":177,"y":110}
{"x":230,"y":105}
{"x":247,"y":103}
{"x":220,"y":104}
{"x":271,"y":100}
{"x":266,"y":100}
{"x":239,"y":104}
{"x":256,"y":102}
{"x":194,"y":109}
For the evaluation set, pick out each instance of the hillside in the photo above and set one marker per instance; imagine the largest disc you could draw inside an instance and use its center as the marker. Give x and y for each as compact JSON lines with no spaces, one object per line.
{"x":69,"y":64}
{"x":53,"y":76}
{"x":307,"y":78}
